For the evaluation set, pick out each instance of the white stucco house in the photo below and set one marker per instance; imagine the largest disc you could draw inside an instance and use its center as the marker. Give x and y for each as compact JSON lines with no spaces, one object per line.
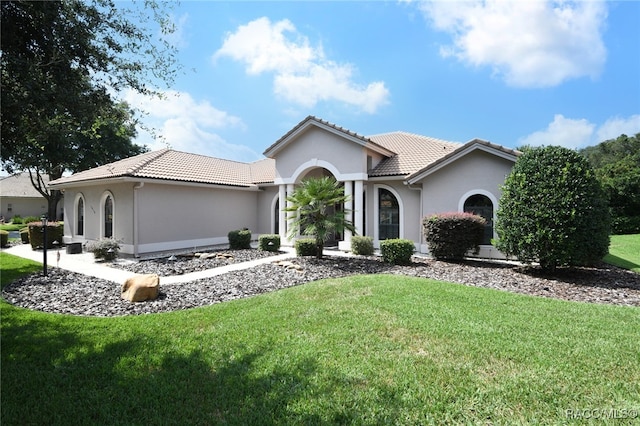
{"x":18,"y":197}
{"x":169,"y":200}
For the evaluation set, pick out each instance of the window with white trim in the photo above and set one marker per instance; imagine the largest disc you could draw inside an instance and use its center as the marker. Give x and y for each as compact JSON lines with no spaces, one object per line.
{"x":481,"y":205}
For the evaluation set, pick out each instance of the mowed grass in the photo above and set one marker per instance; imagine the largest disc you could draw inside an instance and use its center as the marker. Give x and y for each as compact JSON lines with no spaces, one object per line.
{"x":624,"y":252}
{"x":375,"y":349}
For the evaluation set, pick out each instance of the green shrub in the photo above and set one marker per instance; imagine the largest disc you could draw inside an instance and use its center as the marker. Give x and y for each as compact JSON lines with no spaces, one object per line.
{"x":55,"y":231}
{"x":30,"y":219}
{"x":623,"y":225}
{"x":17,"y":220}
{"x":362,"y":245}
{"x":306,"y":247}
{"x":240,"y":239}
{"x":553,"y":210}
{"x":269,"y":242}
{"x":24,"y":235}
{"x":397,"y":251}
{"x":452,"y":235}
{"x":106,"y":249}
{"x":4,"y":238}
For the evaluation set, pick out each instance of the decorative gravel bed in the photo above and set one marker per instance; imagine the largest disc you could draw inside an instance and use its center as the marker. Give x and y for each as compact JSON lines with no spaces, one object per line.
{"x":71,"y":293}
{"x":187,"y":263}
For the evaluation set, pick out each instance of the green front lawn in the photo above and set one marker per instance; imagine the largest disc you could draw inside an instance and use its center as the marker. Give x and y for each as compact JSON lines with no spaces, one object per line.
{"x":360,"y":350}
{"x":12,"y":227}
{"x":624,"y":252}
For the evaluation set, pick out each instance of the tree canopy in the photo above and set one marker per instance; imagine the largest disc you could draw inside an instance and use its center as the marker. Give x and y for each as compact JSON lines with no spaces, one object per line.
{"x":61,"y":64}
{"x":617,"y":165}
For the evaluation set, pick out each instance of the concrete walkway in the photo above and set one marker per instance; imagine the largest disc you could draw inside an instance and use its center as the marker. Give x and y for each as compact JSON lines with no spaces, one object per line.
{"x":86,"y":264}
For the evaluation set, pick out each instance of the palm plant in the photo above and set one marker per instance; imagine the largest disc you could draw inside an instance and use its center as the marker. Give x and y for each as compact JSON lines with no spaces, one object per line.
{"x":313,"y":213}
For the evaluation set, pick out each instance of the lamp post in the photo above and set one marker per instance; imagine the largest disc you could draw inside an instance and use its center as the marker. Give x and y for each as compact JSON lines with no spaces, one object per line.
{"x":44,"y":244}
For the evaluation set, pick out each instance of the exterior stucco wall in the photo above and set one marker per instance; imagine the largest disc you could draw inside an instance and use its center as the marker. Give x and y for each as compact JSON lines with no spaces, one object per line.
{"x":409,"y":204}
{"x":476,"y":173}
{"x":316,"y":144}
{"x":93,"y":213}
{"x":22,"y":206}
{"x":266,"y":216}
{"x":175,"y":217}
{"x":169,"y":217}
{"x":478,"y":170}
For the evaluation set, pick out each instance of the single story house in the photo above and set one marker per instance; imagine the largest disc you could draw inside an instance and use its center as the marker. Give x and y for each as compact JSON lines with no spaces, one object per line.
{"x":18,"y":197}
{"x":169,"y":200}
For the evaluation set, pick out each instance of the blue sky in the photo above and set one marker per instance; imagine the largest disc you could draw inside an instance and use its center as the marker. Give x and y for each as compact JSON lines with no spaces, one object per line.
{"x":513,"y":73}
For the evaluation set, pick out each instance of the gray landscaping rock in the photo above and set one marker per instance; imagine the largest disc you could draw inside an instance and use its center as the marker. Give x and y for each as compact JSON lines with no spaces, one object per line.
{"x":71,"y":293}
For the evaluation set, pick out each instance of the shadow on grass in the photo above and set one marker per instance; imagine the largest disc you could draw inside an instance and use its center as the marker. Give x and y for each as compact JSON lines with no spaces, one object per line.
{"x":53,"y":375}
{"x":620,"y":262}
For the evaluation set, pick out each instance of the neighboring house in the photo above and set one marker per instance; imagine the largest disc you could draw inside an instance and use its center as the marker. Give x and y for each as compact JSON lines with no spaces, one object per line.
{"x":18,"y":197}
{"x":168,"y":200}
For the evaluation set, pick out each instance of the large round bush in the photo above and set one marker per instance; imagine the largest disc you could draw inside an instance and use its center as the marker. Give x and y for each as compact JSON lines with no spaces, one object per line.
{"x":553,"y":210}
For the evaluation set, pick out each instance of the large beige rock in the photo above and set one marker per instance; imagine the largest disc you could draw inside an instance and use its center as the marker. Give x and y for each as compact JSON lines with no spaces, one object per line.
{"x":141,"y":287}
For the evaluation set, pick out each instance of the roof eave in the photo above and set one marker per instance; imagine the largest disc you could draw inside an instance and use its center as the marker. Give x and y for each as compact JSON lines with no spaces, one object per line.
{"x":136,"y":179}
{"x":339,"y":131}
{"x":473,"y":145}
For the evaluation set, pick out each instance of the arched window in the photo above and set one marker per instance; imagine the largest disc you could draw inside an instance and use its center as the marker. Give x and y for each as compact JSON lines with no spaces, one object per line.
{"x":388,"y":215}
{"x":80,"y":216}
{"x":108,"y":216}
{"x":276,"y":217}
{"x":481,"y":205}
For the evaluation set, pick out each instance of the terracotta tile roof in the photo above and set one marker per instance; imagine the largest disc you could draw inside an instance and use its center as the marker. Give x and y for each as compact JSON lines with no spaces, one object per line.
{"x":407,"y":154}
{"x":167,"y":164}
{"x":413,"y":152}
{"x":19,"y":185}
{"x":462,"y":150}
{"x":263,"y":171}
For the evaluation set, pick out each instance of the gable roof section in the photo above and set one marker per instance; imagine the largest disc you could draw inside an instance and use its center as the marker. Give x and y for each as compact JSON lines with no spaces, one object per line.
{"x":301,"y":127}
{"x":407,"y":156}
{"x":473,"y":145}
{"x":170,"y":165}
{"x":19,"y":185}
{"x":412,"y":152}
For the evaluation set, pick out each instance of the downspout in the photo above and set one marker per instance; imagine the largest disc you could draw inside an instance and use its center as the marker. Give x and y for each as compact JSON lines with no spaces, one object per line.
{"x":418,"y":188}
{"x":135,"y":218}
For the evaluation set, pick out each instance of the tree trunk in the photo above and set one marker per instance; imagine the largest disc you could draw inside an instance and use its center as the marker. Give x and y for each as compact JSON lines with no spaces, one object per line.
{"x":53,"y":199}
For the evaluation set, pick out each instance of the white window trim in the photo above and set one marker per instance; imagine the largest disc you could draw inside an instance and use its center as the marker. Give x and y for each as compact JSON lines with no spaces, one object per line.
{"x":376,"y":210}
{"x":487,"y":194}
{"x":103,"y":199}
{"x":79,"y":196}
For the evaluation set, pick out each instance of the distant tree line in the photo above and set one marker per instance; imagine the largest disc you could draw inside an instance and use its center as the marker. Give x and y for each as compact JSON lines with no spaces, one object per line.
{"x":617,"y":165}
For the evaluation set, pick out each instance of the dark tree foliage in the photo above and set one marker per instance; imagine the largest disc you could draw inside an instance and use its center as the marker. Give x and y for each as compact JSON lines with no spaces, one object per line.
{"x":617,"y":165}
{"x":60,"y":63}
{"x":553,"y":210}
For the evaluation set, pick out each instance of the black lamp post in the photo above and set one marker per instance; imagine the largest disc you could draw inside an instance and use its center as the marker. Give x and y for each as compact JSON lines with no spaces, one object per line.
{"x":44,"y":244}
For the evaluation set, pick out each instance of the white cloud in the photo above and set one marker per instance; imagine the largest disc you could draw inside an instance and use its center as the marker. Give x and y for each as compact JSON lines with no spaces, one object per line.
{"x":302,"y":74}
{"x":617,"y":126}
{"x":562,"y":131}
{"x":186,"y":124}
{"x":579,"y":133}
{"x":528,"y":43}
